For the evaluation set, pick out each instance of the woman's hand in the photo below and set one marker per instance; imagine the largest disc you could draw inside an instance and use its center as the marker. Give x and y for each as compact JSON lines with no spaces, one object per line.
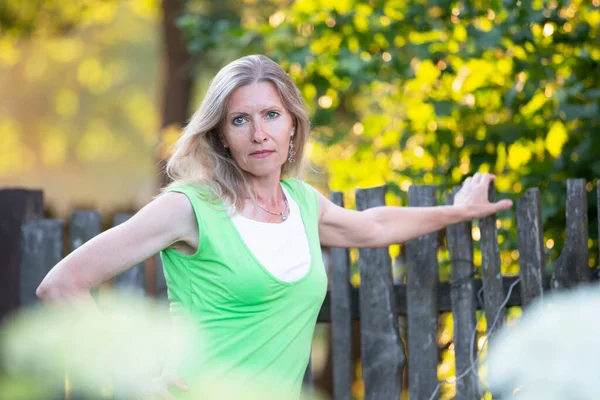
{"x":473,"y":197}
{"x":157,"y":388}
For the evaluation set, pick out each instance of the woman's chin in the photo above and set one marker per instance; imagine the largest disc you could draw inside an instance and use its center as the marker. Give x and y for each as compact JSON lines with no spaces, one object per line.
{"x":264,"y":171}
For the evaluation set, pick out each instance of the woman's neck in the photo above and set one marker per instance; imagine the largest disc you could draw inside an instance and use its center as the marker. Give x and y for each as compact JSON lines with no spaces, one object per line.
{"x":268,"y":191}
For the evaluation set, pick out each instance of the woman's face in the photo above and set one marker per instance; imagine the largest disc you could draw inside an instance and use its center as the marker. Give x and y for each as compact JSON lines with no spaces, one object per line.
{"x":257,"y":129}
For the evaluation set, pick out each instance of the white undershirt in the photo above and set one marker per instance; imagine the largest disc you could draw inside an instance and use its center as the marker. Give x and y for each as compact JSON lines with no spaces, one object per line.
{"x":282,"y":248}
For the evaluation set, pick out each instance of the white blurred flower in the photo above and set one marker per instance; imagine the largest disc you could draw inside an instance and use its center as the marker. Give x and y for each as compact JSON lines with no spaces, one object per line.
{"x":123,"y":345}
{"x":552,"y":352}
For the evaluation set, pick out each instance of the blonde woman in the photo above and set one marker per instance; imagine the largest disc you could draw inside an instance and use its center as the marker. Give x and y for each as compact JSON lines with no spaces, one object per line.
{"x":240,"y":235}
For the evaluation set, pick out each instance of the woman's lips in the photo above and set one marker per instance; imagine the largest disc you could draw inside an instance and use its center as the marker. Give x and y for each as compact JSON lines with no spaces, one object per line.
{"x":262,"y":153}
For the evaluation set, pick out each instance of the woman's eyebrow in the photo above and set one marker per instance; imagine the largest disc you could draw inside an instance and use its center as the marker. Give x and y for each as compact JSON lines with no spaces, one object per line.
{"x":261,"y":111}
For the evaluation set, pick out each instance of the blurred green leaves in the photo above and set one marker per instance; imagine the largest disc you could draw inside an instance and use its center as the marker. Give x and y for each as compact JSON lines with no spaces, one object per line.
{"x":506,"y":87}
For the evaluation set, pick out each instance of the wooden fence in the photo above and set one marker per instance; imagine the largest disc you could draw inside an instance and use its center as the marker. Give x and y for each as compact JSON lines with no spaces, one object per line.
{"x":30,"y":246}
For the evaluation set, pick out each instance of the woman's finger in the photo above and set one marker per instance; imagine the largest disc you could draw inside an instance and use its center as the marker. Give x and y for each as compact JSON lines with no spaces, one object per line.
{"x":503,"y":205}
{"x":486,"y":179}
{"x":476,"y":178}
{"x":467,"y":181}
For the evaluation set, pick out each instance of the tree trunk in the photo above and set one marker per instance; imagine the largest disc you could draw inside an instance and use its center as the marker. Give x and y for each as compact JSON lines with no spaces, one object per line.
{"x":177,"y":77}
{"x":177,"y":84}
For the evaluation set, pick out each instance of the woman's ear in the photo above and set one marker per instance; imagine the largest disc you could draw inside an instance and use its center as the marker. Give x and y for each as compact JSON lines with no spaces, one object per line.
{"x":222,"y":140}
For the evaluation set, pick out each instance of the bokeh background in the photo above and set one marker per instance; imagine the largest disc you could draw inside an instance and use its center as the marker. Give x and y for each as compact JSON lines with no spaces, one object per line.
{"x":95,"y":92}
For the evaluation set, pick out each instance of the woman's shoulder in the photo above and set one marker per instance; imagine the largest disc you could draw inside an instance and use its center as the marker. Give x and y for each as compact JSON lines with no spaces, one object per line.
{"x":183,"y":187}
{"x":297,"y":184}
{"x":197,"y":192}
{"x":300,"y":188}
{"x":169,"y":212}
{"x":293,"y":185}
{"x":177,"y":202}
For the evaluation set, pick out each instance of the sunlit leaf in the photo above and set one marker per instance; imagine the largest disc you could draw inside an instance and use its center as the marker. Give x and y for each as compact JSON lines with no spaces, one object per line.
{"x":519,"y":154}
{"x":556,"y":138}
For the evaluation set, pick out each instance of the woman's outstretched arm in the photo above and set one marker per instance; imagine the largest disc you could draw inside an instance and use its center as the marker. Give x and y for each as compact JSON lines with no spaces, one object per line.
{"x":162,"y":222}
{"x":168,"y":219}
{"x":384,"y":226}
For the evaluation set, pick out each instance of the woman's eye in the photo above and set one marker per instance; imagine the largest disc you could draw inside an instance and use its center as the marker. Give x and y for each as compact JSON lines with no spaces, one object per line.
{"x":272,"y":114}
{"x":238,"y":120}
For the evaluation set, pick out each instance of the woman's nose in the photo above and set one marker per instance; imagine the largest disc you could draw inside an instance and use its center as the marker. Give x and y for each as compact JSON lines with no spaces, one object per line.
{"x":259,"y":135}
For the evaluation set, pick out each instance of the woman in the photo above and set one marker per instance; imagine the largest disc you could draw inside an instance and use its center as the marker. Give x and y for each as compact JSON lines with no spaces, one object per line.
{"x":241,"y":245}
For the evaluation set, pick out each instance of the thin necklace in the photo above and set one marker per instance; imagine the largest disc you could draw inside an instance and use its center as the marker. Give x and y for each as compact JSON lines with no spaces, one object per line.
{"x":281,"y":214}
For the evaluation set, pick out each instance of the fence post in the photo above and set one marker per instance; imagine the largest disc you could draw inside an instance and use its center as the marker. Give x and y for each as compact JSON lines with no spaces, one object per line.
{"x":341,"y":317}
{"x":460,"y":246}
{"x":134,"y":278}
{"x":161,"y":283}
{"x":382,"y":352}
{"x":307,"y":380}
{"x":531,"y":246}
{"x":84,"y":226}
{"x":572,"y":264}
{"x":491,"y":275}
{"x":41,"y":249}
{"x":421,"y":300}
{"x":16,"y":206}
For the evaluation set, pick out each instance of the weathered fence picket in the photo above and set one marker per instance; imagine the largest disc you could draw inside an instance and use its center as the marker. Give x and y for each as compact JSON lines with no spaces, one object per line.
{"x":491,"y":274}
{"x":30,"y":246}
{"x":41,"y":248}
{"x":307,"y":380}
{"x":421,"y":298}
{"x":577,"y":228}
{"x":531,"y":246}
{"x":161,"y":283}
{"x":341,"y":317}
{"x":84,"y":226}
{"x":460,"y":247}
{"x":382,"y":352}
{"x":16,"y":207}
{"x":572,"y":264}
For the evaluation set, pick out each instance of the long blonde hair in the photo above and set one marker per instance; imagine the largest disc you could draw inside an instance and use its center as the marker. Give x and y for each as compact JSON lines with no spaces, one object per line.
{"x":199,"y":157}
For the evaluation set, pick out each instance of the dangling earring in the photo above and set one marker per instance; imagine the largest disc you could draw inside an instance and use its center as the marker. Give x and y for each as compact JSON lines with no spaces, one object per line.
{"x":292,"y":151}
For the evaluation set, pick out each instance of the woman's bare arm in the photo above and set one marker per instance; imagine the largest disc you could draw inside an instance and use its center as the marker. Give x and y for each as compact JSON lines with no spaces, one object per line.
{"x":167,"y":219}
{"x":383,"y":226}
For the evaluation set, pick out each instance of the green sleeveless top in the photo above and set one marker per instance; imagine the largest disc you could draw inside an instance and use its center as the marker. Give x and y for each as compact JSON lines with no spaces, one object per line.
{"x":254,"y":327}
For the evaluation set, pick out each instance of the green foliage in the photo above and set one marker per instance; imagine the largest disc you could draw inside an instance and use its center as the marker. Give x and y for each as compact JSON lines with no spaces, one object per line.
{"x":419,"y":92}
{"x":25,"y":18}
